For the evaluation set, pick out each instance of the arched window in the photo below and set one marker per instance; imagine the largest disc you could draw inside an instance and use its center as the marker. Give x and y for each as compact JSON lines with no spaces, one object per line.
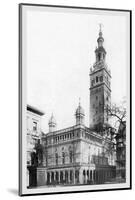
{"x":34,"y":126}
{"x":101,"y":78}
{"x":99,"y":56}
{"x":63,"y":158}
{"x":56,"y":158}
{"x":71,"y":156}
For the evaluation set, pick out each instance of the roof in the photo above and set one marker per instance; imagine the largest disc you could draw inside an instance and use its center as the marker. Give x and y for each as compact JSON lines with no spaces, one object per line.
{"x":79,"y":110}
{"x":35,"y":110}
{"x":52,"y":120}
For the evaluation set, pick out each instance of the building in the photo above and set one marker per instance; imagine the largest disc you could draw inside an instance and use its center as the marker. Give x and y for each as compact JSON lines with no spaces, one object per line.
{"x":79,"y":154}
{"x":33,"y":135}
{"x":121,"y":151}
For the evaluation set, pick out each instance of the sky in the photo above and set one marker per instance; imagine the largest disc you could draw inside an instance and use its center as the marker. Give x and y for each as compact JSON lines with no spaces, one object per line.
{"x":60,"y":45}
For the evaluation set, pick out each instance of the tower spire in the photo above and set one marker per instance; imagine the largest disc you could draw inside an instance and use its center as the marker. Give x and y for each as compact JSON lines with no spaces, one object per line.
{"x":100,"y":28}
{"x":100,"y":51}
{"x":79,"y":101}
{"x":100,"y":39}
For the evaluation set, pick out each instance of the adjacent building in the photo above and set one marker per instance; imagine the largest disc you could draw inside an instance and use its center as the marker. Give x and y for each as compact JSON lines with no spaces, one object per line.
{"x":121,"y":151}
{"x":33,"y":135}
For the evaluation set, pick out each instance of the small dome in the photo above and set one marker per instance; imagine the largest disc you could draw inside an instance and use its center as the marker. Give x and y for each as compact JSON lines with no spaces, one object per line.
{"x":79,"y":110}
{"x":52,"y":120}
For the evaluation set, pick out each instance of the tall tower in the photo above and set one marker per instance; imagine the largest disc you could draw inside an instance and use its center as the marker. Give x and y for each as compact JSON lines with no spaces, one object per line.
{"x":100,"y":89}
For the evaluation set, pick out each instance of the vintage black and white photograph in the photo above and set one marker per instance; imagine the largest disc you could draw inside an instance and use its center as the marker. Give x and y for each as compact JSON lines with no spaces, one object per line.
{"x":75,"y":99}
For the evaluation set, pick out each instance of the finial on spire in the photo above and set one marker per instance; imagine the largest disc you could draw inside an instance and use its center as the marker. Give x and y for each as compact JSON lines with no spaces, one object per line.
{"x":100,"y":27}
{"x":79,"y":101}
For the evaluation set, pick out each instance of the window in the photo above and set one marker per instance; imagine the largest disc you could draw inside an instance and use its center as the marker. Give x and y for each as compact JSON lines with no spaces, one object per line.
{"x":77,"y":134}
{"x":92,"y":82}
{"x":101,"y":78}
{"x":34,"y":126}
{"x":96,"y":79}
{"x":71,"y":156}
{"x":99,"y":56}
{"x":96,"y":97}
{"x":63,"y":158}
{"x":56,"y":139}
{"x":56,"y":158}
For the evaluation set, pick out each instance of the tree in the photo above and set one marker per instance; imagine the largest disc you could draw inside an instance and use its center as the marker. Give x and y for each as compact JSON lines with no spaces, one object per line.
{"x":118,"y":113}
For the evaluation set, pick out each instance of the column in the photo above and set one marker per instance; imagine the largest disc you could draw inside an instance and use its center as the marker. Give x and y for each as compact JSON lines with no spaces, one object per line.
{"x":89,"y":177}
{"x":50,"y":175}
{"x":92,"y":175}
{"x":63,"y":176}
{"x":73,"y":176}
{"x":58,"y":176}
{"x":80,"y":177}
{"x":86,"y":176}
{"x":27,"y":177}
{"x":54,"y":176}
{"x":69,"y":176}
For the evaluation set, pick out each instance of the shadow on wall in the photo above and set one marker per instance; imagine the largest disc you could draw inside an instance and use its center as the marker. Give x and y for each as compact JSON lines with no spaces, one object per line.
{"x":13,"y":191}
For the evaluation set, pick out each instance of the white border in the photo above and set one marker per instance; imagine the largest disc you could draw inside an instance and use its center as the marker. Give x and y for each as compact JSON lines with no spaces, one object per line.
{"x":23,"y":189}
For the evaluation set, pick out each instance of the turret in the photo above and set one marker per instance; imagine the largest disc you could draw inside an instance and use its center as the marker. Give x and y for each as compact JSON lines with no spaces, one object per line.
{"x":79,"y":114}
{"x":52,"y":124}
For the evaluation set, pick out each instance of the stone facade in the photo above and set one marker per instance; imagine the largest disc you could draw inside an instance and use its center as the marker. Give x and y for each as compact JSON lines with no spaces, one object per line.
{"x":76,"y":155}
